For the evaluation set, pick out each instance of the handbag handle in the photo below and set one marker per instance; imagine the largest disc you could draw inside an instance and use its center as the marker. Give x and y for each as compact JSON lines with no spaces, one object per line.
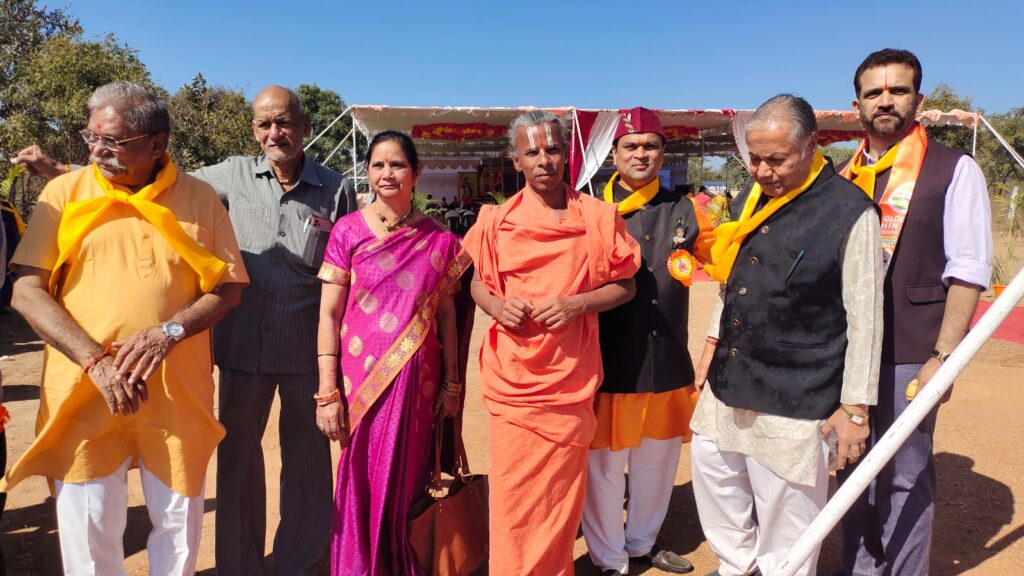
{"x":461,"y":459}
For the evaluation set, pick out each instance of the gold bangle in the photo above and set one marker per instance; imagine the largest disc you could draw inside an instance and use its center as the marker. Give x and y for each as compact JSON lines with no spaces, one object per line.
{"x":452,"y":388}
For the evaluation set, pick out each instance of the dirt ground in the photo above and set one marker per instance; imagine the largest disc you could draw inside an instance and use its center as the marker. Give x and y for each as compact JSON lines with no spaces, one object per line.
{"x":979,"y":521}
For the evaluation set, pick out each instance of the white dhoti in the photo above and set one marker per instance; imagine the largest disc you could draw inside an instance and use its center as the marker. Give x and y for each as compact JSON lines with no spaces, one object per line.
{"x":730,"y":486}
{"x":652,"y":470}
{"x":91,"y":518}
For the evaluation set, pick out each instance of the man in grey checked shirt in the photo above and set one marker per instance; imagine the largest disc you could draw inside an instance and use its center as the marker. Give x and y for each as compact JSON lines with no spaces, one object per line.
{"x":282,"y":205}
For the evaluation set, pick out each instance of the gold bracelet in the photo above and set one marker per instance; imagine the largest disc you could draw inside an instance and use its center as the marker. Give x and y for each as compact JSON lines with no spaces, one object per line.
{"x":452,"y":388}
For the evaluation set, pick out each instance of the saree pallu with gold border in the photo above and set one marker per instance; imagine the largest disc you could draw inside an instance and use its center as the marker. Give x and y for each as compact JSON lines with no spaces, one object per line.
{"x":390,"y":367}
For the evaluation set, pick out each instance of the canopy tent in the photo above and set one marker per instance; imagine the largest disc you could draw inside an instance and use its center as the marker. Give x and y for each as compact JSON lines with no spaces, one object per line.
{"x":454,"y":140}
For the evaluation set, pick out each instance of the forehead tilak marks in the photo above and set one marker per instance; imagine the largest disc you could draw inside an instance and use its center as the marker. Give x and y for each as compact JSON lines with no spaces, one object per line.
{"x":531,"y":136}
{"x":547,"y":132}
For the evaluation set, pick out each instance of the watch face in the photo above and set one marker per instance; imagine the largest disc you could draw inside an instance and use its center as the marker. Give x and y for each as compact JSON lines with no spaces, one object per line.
{"x":174,"y":331}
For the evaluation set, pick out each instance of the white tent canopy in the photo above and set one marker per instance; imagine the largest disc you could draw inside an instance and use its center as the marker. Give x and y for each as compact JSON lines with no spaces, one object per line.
{"x":451,"y":140}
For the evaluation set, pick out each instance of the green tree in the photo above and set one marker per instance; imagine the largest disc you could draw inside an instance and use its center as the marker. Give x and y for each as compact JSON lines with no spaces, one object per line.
{"x":322,"y":106}
{"x":700,"y":170}
{"x":944,"y":98}
{"x":735,"y":173}
{"x":838,"y":154}
{"x":24,"y":27}
{"x":209,"y":125}
{"x":1001,"y":171}
{"x":46,"y":102}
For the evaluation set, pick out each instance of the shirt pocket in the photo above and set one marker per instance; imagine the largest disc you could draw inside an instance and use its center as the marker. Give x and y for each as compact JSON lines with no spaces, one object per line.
{"x":254,"y":225}
{"x":314,"y":240}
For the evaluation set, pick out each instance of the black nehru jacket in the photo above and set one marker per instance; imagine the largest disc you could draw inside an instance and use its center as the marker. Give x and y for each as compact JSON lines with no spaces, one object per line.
{"x":782,"y":339}
{"x":643,"y":342}
{"x":915,"y":296}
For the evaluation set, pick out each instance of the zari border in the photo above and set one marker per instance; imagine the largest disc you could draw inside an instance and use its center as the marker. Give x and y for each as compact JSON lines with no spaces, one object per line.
{"x":405,"y":346}
{"x":332,"y":274}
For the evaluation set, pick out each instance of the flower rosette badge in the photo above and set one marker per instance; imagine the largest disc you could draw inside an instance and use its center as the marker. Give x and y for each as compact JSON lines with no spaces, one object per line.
{"x":681,"y":265}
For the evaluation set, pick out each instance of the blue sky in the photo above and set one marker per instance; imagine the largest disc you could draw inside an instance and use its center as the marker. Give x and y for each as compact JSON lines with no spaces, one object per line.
{"x":550,"y":53}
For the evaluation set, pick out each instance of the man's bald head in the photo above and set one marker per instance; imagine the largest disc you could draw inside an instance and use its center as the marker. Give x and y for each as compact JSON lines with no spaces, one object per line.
{"x":280,"y":95}
{"x":279,"y":124}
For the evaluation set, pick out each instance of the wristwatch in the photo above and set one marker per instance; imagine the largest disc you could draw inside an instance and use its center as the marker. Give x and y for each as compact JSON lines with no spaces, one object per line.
{"x":173,"y":331}
{"x":858,"y":419}
{"x":940,"y":356}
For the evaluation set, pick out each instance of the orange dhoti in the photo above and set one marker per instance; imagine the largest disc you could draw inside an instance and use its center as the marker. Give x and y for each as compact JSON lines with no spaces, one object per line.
{"x":536,"y":500}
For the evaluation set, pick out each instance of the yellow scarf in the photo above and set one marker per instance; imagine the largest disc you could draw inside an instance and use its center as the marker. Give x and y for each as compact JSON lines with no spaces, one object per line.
{"x":635,"y":200}
{"x":864,"y":176}
{"x":18,"y":222}
{"x":729,"y":236}
{"x":80,"y":217}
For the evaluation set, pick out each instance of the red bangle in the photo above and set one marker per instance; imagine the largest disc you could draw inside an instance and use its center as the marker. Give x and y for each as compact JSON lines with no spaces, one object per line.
{"x":327,"y":399}
{"x":97,"y":358}
{"x":712,"y":340}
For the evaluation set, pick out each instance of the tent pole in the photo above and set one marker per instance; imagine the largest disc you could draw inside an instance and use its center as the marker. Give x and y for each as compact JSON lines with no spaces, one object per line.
{"x":324,"y":131}
{"x":340,"y":143}
{"x":974,"y":142}
{"x":1003,"y":141}
{"x":355,"y":159}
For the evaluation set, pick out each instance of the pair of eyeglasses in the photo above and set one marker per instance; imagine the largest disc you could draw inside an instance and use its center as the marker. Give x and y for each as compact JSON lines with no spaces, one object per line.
{"x":109,"y":142}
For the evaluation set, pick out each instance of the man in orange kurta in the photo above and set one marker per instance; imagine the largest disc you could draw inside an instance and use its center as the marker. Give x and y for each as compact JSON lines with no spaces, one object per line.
{"x":547,"y":261}
{"x":125,"y":266}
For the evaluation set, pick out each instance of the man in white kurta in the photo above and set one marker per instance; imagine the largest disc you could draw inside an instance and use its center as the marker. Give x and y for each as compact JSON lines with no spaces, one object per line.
{"x":793,"y":348}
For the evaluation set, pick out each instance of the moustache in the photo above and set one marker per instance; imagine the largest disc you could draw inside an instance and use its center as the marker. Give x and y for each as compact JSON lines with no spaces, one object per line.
{"x":111,"y":163}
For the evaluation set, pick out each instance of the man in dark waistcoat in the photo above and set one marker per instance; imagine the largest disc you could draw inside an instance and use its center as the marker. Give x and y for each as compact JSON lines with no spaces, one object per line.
{"x":937,"y":236}
{"x":645,"y":401}
{"x":793,"y":348}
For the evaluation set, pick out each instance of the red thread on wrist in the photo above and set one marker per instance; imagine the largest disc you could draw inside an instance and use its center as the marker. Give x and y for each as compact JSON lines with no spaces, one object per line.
{"x":97,"y":358}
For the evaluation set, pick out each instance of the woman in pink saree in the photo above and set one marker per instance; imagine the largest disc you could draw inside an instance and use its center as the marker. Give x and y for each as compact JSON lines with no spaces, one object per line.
{"x":387,"y":343}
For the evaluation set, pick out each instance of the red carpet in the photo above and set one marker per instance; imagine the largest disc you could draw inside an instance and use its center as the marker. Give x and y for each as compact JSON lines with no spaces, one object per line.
{"x":1012,"y":328}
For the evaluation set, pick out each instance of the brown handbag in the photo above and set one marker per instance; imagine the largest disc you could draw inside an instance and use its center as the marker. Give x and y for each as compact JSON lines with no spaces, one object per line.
{"x":448,"y":528}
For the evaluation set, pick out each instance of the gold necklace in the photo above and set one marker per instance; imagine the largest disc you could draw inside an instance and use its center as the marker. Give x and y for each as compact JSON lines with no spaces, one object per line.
{"x":391,"y":227}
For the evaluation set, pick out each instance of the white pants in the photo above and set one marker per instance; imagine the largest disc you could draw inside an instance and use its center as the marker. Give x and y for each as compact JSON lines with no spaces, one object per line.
{"x":652,"y":472}
{"x":730,"y":486}
{"x":92,"y":516}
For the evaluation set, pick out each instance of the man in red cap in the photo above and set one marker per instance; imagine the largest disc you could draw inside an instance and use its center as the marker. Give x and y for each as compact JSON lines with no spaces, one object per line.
{"x":645,"y":401}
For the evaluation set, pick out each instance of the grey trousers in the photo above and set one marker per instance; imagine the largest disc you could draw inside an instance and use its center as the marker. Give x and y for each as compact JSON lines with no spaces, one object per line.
{"x":888,"y":531}
{"x":306,"y":480}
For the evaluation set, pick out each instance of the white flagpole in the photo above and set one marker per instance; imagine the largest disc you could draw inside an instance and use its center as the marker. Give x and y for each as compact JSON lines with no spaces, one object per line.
{"x":880,"y":455}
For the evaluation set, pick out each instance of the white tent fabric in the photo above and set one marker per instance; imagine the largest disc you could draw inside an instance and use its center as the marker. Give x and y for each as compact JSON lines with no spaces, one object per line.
{"x":739,"y":129}
{"x":598,"y":145}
